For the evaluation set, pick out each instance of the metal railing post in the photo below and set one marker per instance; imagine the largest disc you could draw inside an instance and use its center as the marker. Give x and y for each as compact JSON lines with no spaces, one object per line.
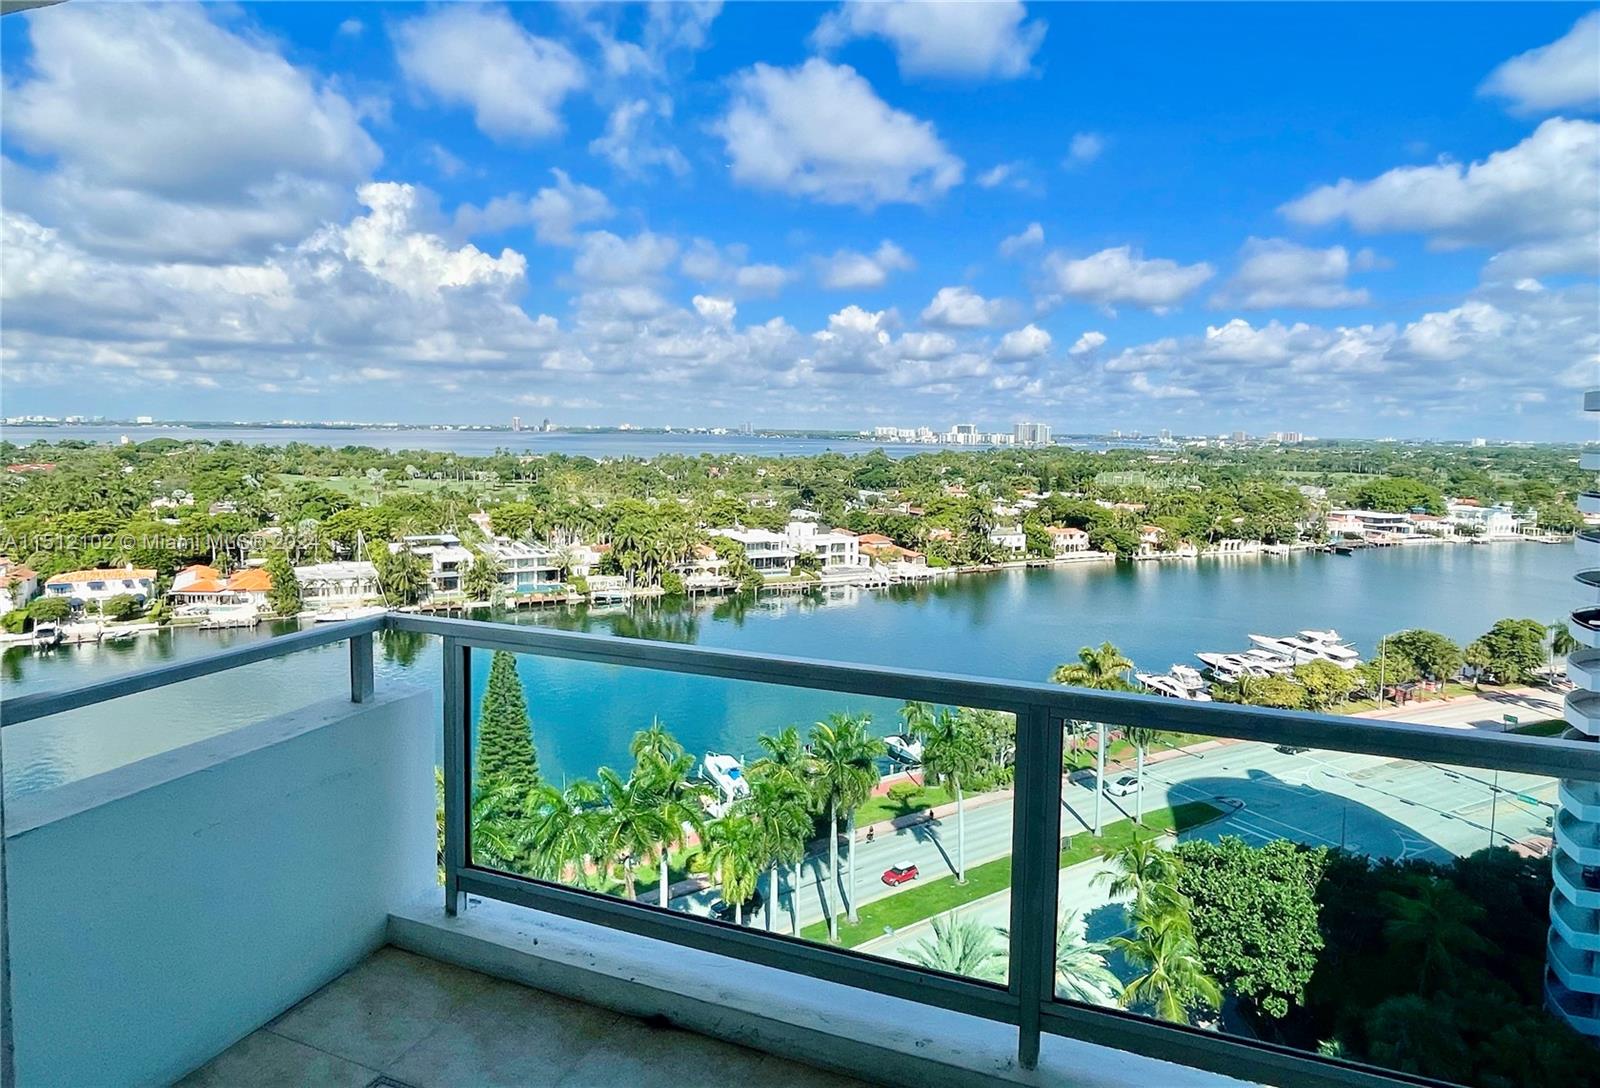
{"x":457,"y":764}
{"x":1035,"y":872}
{"x":361,"y":681}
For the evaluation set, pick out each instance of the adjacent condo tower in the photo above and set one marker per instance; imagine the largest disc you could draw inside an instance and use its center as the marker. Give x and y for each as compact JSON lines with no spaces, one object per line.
{"x":1573,"y":980}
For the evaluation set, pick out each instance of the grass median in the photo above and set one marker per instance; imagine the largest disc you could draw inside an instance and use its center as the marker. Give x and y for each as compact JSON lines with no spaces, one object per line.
{"x":924,"y":901}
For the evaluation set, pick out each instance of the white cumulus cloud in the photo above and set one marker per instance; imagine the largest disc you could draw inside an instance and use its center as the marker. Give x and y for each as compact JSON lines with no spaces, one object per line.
{"x":820,"y":131}
{"x":1030,"y":237}
{"x":555,"y":211}
{"x":1537,"y":198}
{"x":1275,"y":272}
{"x":850,"y":270}
{"x":962,"y":40}
{"x":1563,"y":74}
{"x":481,"y":57}
{"x":1121,"y":275}
{"x":962,"y":308}
{"x":1089,"y":342}
{"x":1085,"y":148}
{"x":1028,"y":342}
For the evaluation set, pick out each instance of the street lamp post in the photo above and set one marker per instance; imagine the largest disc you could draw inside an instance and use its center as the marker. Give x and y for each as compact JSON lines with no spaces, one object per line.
{"x":1099,"y":774}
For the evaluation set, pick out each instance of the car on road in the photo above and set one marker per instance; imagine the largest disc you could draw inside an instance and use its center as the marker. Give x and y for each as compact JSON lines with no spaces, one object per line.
{"x":722,"y":910}
{"x":901,"y":872}
{"x":1291,"y":749}
{"x":1590,"y":875}
{"x":1122,"y":787}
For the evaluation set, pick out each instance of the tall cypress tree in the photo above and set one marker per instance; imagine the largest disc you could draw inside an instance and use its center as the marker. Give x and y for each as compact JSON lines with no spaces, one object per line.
{"x":505,"y":743}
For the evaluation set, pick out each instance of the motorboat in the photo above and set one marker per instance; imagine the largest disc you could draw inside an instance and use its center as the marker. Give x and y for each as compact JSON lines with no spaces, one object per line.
{"x":904,"y":748}
{"x":726,"y":773}
{"x":1170,"y":686}
{"x":1309,"y":646}
{"x":1231,"y":668}
{"x":47,"y":636}
{"x":1188,"y":676}
{"x":1226,"y":667}
{"x":1262,"y":663}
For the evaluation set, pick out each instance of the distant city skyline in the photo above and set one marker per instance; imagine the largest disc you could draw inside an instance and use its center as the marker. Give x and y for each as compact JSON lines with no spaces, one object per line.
{"x":1373,"y":220}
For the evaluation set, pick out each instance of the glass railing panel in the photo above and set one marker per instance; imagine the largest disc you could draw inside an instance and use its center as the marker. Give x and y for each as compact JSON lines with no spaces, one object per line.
{"x":714,"y":798}
{"x":1386,"y":911}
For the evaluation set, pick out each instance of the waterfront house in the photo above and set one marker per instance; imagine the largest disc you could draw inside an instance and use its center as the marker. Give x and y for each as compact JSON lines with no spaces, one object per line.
{"x":1369,"y":522}
{"x":85,"y":587}
{"x":1432,"y":525}
{"x":201,"y":588}
{"x":1009,"y":538}
{"x":1065,"y":541}
{"x":1150,"y":539}
{"x":447,"y":560}
{"x":836,"y":547}
{"x":525,"y":568}
{"x":765,"y":550}
{"x":1498,"y":522}
{"x":325,"y":586}
{"x":18,"y":585}
{"x":705,"y":570}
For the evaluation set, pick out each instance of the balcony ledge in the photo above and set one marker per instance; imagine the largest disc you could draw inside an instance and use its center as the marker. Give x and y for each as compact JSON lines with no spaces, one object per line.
{"x":784,"y":1014}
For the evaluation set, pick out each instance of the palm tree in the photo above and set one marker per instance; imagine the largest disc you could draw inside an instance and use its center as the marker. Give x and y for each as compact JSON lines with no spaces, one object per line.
{"x":1145,"y":871}
{"x":561,"y":827}
{"x":951,"y":749}
{"x":781,"y":810}
{"x":1141,"y":739}
{"x":1103,"y":669}
{"x":497,"y":826}
{"x":1562,"y":644}
{"x":728,"y":855}
{"x":1171,"y":979}
{"x":656,"y":744}
{"x":1434,"y":928}
{"x":1081,"y":971}
{"x":844,"y":759}
{"x":630,"y":827}
{"x":961,"y":946}
{"x":788,"y":761}
{"x":674,"y":801}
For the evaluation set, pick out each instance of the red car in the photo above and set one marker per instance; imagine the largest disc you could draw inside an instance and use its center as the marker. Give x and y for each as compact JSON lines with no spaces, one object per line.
{"x":899,"y":873}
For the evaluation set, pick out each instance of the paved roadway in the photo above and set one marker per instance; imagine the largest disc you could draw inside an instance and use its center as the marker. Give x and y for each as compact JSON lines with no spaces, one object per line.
{"x":1384,"y":808}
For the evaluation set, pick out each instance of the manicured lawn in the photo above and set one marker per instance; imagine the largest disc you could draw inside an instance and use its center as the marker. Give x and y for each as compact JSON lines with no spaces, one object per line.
{"x":1549,"y":727}
{"x":938,"y":896}
{"x":1121,"y":750}
{"x":883,"y":807}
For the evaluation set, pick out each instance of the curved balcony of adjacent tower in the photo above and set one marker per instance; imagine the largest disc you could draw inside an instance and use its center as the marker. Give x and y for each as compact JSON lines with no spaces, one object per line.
{"x":1578,"y":926}
{"x":1583,"y":669}
{"x":1581,"y":798}
{"x":1581,"y":709}
{"x":1585,"y":626}
{"x":1577,"y":839}
{"x":1582,"y":1011}
{"x":1589,"y":502}
{"x":1578,"y":970}
{"x":1570,"y":882}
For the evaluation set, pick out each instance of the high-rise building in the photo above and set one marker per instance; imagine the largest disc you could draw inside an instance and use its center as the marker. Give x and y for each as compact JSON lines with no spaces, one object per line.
{"x":1572,"y":981}
{"x":1240,"y":436}
{"x":1479,"y":443}
{"x":1166,"y":435}
{"x":1031,"y":434}
{"x":516,"y":423}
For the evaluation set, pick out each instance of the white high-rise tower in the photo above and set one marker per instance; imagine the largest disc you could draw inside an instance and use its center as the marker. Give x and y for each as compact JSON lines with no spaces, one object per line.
{"x":1572,"y":983}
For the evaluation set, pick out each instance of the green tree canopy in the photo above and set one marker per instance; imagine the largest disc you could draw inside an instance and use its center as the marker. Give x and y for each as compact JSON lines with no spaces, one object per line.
{"x":1428,"y":653}
{"x":505,"y":742}
{"x":1255,"y":916}
{"x":283,"y":595}
{"x":1511,"y":651}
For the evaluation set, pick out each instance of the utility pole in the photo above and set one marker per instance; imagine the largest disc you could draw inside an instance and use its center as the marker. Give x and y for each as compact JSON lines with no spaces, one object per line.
{"x":1383,"y":647}
{"x":1099,"y":774}
{"x":1494,"y":805}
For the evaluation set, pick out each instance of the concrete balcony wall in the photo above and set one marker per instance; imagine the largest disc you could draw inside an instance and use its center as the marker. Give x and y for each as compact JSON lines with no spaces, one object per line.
{"x":163,"y":910}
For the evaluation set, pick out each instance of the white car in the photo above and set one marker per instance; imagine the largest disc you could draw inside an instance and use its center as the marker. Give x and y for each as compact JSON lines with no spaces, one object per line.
{"x":1122,"y":787}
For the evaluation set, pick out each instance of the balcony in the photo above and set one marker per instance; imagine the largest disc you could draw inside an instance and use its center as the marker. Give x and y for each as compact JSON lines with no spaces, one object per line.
{"x":265,"y":903}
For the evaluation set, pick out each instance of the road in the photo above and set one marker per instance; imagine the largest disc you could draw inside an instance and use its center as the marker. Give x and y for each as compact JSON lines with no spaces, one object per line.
{"x":1377,"y":806}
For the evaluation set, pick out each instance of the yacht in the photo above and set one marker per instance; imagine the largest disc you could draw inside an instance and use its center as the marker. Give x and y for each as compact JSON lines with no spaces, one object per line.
{"x":904,"y":748}
{"x":46,"y":636}
{"x":1263,"y":663}
{"x":339,"y":615}
{"x":726,"y":773}
{"x":1309,"y":646}
{"x":1233,"y":667}
{"x":1188,"y":676}
{"x":1169,"y":685}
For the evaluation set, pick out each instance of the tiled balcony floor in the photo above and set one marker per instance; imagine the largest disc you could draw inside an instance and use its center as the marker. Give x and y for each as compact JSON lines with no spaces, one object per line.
{"x":401,"y":1019}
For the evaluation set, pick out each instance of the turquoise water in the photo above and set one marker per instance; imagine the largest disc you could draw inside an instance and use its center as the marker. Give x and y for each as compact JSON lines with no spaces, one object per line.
{"x":1014,"y":624}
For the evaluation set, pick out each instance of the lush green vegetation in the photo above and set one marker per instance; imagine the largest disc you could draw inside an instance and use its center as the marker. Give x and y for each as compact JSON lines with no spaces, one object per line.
{"x":167,"y":503}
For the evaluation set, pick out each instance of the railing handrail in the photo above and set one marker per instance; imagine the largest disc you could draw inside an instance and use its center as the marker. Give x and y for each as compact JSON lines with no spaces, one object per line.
{"x":1548,"y":756}
{"x":42,"y":704}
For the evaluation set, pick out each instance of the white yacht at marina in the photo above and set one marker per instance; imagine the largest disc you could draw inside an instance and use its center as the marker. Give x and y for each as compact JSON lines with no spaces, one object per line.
{"x":904,"y":748}
{"x":1175,"y":686}
{"x":1309,"y":646}
{"x":726,"y":773}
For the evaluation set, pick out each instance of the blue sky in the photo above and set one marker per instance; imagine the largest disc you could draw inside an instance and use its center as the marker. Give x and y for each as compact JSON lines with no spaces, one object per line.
{"x":1374,"y":219}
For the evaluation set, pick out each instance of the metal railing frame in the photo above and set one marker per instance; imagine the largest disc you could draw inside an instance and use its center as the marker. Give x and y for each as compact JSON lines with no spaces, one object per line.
{"x":1028,"y":999}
